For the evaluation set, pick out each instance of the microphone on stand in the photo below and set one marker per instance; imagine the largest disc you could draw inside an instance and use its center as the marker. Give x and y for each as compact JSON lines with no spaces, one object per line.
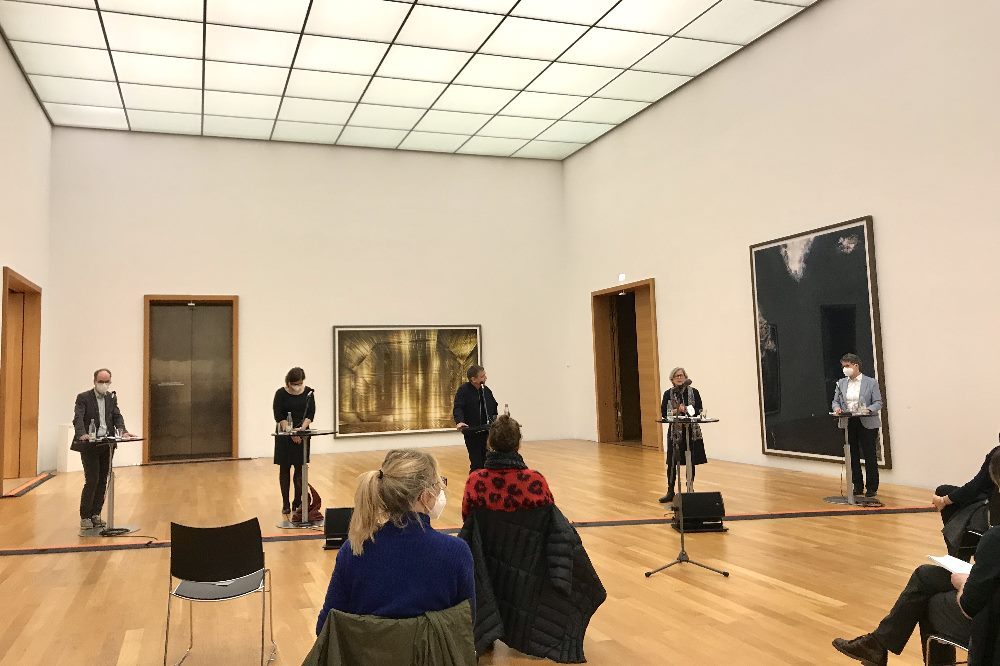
{"x":306,"y":410}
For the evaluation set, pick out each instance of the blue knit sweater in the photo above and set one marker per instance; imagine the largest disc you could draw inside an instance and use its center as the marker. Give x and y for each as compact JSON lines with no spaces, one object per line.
{"x":404,"y":572}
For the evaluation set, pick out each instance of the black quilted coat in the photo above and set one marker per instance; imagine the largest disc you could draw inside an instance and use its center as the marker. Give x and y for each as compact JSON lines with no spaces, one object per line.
{"x":536,"y":589}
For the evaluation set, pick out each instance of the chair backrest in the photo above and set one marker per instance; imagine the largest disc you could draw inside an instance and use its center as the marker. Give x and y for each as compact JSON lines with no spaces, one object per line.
{"x":439,"y":637}
{"x":208,"y":554}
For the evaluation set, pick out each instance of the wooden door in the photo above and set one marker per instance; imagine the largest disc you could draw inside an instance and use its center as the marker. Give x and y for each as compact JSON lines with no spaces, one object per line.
{"x":13,"y":314}
{"x":20,"y":361}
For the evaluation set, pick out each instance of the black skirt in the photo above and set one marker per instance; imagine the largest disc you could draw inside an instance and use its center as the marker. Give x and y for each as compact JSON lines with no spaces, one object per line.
{"x":287,"y":452}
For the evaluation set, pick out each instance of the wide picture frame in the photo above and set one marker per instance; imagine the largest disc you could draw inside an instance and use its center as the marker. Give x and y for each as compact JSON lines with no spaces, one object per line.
{"x":396,"y":380}
{"x":818,"y":288}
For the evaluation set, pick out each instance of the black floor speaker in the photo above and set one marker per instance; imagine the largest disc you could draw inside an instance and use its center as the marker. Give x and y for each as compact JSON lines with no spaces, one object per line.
{"x":703,"y":512}
{"x":338,"y":520}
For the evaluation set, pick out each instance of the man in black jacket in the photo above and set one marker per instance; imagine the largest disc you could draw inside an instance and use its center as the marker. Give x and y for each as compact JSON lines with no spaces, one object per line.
{"x":965,"y":508}
{"x":475,"y":406}
{"x":949,"y":500}
{"x":960,"y":606}
{"x":98,"y":407}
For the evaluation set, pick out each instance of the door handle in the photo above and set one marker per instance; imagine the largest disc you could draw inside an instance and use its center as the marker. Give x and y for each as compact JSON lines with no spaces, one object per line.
{"x":171,"y":384}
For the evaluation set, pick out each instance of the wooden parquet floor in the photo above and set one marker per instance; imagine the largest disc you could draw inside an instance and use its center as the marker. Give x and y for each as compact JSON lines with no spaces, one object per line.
{"x":796,"y":583}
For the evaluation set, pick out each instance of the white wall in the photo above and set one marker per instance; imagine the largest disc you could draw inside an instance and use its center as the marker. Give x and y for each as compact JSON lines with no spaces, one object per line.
{"x":886,"y":108}
{"x":338,"y":235}
{"x":25,"y":141}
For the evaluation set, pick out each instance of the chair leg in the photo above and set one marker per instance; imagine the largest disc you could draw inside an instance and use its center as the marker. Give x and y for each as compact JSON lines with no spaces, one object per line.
{"x":267,"y":614}
{"x":263,"y":618}
{"x":190,"y":631}
{"x":166,"y":635}
{"x":927,"y":652}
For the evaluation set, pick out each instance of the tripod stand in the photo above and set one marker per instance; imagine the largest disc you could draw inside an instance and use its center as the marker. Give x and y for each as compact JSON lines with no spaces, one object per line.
{"x":682,"y":556}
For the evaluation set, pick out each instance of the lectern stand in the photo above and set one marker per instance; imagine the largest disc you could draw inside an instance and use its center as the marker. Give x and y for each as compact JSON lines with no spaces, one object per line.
{"x":849,"y":497}
{"x":682,"y":556}
{"x":306,"y":434}
{"x":110,"y":530}
{"x":479,"y":428}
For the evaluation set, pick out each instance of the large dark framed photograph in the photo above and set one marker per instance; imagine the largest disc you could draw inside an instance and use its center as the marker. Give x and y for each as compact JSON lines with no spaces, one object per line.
{"x":394,"y":380}
{"x":819,"y":289}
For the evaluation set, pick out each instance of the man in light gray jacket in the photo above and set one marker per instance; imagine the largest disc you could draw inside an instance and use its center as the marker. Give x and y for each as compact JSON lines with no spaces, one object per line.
{"x":859,"y":395}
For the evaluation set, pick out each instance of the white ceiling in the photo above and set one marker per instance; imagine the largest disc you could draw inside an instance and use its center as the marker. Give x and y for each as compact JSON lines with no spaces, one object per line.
{"x":519,"y":78}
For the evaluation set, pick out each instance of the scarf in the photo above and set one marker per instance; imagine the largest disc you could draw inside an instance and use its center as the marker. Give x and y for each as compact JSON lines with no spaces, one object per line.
{"x":676,"y":431}
{"x":504,"y":460}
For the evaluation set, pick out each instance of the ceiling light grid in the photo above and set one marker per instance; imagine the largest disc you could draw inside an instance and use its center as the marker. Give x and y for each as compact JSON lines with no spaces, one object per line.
{"x":511,"y":126}
{"x":107,"y":44}
{"x":596,"y":110}
{"x":462,"y":97}
{"x":526,"y":78}
{"x":291,"y":68}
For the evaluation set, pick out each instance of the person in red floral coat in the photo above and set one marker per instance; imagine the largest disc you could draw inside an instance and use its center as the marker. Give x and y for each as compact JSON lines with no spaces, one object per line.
{"x":505,"y":483}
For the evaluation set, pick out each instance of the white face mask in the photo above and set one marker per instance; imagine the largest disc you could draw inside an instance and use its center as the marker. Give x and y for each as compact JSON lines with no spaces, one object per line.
{"x":439,"y":504}
{"x":848,"y":371}
{"x":102,"y":387}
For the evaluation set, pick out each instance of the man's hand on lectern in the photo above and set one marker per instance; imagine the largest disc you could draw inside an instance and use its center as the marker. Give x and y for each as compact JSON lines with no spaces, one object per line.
{"x":461,"y":426}
{"x":296,"y":439}
{"x":84,"y":437}
{"x":838,"y":411}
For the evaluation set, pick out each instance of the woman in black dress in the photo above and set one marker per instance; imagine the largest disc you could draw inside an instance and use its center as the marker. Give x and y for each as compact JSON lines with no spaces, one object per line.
{"x":676,"y":401}
{"x":293,"y":398}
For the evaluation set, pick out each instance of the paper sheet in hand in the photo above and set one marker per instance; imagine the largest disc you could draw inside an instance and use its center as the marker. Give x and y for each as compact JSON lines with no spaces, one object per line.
{"x":952,"y":564}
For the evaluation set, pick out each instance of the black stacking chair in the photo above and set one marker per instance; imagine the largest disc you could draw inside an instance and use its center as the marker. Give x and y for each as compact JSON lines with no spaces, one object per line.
{"x":218,"y":564}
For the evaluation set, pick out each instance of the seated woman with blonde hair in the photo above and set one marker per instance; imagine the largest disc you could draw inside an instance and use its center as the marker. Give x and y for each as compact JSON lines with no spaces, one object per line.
{"x":394,"y":564}
{"x":505,"y":483}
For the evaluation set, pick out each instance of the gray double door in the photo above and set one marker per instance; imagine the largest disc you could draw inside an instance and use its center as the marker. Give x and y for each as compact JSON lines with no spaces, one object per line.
{"x":191,"y":381}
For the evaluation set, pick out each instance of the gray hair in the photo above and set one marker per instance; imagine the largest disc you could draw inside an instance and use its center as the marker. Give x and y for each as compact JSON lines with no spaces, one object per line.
{"x":474,"y":371}
{"x":675,"y":370}
{"x":851,"y":358}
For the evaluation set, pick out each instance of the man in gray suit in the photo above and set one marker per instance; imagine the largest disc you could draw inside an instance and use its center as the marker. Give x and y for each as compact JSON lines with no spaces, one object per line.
{"x":859,"y":395}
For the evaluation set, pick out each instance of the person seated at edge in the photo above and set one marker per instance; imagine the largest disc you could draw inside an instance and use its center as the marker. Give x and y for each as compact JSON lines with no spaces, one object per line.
{"x":859,"y":395}
{"x":675,"y":403}
{"x":940,"y":602}
{"x":394,"y":564}
{"x":505,"y":483}
{"x":949,"y":500}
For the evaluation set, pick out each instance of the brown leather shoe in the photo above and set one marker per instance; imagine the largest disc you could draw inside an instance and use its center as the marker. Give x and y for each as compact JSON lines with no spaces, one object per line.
{"x":865,"y":649}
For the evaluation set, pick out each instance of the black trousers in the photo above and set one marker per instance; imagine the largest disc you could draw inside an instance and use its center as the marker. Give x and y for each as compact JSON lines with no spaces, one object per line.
{"x":862,"y":441}
{"x":475,"y":443}
{"x":284,"y":480}
{"x":675,"y":467}
{"x":930,"y":601}
{"x":96,"y":465}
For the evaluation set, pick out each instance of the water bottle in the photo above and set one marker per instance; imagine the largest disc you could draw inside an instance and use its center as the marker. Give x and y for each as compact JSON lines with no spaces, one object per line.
{"x":92,"y":430}
{"x":289,"y":420}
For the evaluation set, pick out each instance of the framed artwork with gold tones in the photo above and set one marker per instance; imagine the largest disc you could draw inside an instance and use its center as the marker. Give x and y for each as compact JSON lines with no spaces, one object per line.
{"x":395,"y":380}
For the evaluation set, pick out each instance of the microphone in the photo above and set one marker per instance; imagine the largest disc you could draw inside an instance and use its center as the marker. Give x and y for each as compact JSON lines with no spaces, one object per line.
{"x":306,"y":410}
{"x":114,"y":395}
